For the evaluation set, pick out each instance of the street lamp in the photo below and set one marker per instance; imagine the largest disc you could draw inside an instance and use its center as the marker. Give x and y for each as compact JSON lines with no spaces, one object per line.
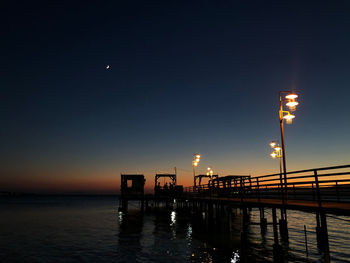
{"x":291,"y":103}
{"x":210,"y":172}
{"x":277,"y":153}
{"x":195,"y":162}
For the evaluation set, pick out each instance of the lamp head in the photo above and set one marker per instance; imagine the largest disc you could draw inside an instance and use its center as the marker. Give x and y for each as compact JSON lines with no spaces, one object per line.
{"x":292,"y":104}
{"x":291,"y":96}
{"x":273,"y":144}
{"x":277,"y":148}
{"x":289,"y":118}
{"x":196,"y":158}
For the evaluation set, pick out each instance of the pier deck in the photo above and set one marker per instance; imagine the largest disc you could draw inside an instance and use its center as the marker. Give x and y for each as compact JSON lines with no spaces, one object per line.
{"x":326,"y":188}
{"x":343,"y":208}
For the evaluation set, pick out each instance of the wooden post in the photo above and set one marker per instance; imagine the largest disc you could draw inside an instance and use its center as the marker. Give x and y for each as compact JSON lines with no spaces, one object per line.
{"x":322,"y":231}
{"x":318,"y":192}
{"x":294,"y":191}
{"x":244,"y":228}
{"x":274,"y":222}
{"x":307,"y":252}
{"x":257,"y":184}
{"x":337,"y":190}
{"x":263,"y":221}
{"x":277,"y":248}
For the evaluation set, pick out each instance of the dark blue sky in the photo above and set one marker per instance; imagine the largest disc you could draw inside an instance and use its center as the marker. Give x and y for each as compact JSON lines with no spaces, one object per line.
{"x":185,"y":77}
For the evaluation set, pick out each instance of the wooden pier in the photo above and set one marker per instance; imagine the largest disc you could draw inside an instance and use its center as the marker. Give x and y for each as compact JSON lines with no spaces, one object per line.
{"x":319,"y":190}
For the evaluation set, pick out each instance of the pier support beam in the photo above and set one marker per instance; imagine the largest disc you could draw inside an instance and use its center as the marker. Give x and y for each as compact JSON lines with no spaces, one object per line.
{"x":277,"y":248}
{"x":210,"y":215}
{"x":146,"y":202}
{"x":322,"y":235}
{"x":246,"y":218}
{"x":244,"y":228}
{"x":123,"y":205}
{"x":283,"y":225}
{"x":263,"y":221}
{"x":229,"y":218}
{"x":142,"y":205}
{"x":283,"y":229}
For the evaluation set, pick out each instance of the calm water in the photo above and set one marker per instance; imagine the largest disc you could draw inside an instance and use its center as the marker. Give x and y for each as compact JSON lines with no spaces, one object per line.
{"x":90,"y":229}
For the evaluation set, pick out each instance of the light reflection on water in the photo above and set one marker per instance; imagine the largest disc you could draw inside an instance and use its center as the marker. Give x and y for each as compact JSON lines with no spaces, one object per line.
{"x":189,"y":232}
{"x":235,"y":257}
{"x":173,"y":218}
{"x":75,"y":229}
{"x":120,"y":217}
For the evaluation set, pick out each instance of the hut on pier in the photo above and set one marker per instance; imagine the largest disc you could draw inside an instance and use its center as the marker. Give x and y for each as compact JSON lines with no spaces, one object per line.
{"x":131,"y":188}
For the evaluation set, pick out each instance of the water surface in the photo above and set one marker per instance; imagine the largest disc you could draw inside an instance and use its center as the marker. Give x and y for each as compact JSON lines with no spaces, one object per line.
{"x":90,"y":229}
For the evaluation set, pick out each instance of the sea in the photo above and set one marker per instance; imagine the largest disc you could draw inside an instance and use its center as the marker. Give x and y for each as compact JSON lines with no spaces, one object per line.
{"x":91,"y":229}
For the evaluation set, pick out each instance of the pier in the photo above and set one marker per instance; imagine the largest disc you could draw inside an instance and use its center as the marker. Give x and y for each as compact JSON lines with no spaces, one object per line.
{"x":319,"y":190}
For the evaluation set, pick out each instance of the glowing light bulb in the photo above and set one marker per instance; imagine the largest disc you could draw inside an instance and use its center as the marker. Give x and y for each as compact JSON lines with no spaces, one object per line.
{"x":292,"y":105}
{"x":291,"y":96}
{"x":289,"y":118}
{"x":278,"y":148}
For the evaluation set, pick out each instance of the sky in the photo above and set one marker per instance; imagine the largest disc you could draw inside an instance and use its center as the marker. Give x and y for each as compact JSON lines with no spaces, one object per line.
{"x":185,"y":77}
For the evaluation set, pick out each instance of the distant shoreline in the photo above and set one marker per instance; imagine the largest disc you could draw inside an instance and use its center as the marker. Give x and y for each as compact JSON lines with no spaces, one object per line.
{"x":21,"y":194}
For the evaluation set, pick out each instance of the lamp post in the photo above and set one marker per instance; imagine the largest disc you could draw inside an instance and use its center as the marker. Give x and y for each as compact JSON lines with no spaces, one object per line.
{"x":291,"y":103}
{"x":277,"y":153}
{"x":195,"y":161}
{"x":210,"y":173}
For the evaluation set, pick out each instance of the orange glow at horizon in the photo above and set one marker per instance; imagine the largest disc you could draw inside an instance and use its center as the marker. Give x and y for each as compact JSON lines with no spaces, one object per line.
{"x":55,"y":183}
{"x":107,"y":181}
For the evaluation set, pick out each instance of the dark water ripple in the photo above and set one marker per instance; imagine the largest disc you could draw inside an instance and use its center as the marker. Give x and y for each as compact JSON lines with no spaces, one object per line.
{"x":90,"y":229}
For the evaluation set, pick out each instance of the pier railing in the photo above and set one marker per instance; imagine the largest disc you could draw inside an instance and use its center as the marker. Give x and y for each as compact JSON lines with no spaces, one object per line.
{"x":318,"y":184}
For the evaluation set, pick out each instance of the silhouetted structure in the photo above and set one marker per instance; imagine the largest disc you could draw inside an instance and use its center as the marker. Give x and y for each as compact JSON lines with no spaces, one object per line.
{"x":232,"y":184}
{"x":131,"y":188}
{"x":200,"y":176}
{"x":166,"y":193}
{"x":321,"y":190}
{"x":171,"y":176}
